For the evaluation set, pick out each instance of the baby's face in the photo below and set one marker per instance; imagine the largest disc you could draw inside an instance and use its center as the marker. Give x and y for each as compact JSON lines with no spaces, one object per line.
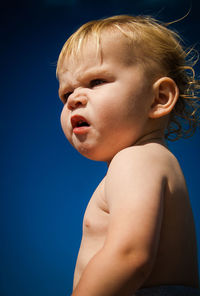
{"x":106,"y":101}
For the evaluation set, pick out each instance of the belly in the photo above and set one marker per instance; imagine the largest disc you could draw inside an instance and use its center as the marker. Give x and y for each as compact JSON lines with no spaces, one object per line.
{"x":90,"y":246}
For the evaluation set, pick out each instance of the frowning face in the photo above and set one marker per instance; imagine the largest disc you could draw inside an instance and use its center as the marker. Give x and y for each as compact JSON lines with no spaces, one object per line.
{"x":106,"y":101}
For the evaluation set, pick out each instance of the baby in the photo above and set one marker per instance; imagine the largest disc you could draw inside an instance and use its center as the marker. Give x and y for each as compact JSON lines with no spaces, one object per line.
{"x":125,"y":85}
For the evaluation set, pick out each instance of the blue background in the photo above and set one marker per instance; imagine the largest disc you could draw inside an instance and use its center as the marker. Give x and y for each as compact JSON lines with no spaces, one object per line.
{"x":45,"y":184}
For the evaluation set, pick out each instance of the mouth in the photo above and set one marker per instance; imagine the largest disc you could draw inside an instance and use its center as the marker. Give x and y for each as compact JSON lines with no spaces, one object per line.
{"x":79,"y":124}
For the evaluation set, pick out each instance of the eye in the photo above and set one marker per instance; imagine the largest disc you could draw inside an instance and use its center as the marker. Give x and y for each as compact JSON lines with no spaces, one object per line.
{"x":97,"y":82}
{"x":66,"y":96}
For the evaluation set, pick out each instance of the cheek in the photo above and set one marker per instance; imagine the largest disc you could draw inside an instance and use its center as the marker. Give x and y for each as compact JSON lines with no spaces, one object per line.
{"x":64,"y":120}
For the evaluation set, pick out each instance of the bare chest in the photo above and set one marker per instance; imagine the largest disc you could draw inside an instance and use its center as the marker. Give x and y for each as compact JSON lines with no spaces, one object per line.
{"x":95,"y":225}
{"x":96,"y":216}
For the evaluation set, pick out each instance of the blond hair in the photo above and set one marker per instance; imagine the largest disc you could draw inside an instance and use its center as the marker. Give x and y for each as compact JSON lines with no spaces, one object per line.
{"x":161,"y":51}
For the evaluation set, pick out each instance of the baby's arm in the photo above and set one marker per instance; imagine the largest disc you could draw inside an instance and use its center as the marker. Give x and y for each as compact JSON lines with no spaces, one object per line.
{"x":134,"y":189}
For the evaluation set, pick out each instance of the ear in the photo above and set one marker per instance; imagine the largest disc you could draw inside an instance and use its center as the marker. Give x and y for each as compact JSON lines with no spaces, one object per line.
{"x":166,"y":94}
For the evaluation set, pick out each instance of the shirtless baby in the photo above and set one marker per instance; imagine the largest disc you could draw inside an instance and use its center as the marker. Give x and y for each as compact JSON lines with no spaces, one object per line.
{"x":124,"y":83}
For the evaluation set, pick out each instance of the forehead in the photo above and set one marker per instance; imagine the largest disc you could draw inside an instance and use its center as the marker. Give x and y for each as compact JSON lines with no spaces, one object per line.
{"x":93,"y":53}
{"x":86,"y":57}
{"x":75,"y":67}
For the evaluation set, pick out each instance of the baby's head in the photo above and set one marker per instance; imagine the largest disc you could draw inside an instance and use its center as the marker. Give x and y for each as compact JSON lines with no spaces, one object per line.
{"x":158,"y":50}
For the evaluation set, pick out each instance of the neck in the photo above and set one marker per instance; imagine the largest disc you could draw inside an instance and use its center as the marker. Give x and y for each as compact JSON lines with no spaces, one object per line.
{"x":157,"y":136}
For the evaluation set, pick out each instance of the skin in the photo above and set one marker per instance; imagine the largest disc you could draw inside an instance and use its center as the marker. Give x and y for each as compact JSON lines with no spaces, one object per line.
{"x":138,"y":228}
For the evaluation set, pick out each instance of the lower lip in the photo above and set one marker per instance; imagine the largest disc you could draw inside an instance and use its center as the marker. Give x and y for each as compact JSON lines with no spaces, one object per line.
{"x":81,"y":130}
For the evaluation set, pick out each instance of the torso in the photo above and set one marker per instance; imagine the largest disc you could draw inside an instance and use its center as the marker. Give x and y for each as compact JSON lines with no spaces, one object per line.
{"x":176,"y":261}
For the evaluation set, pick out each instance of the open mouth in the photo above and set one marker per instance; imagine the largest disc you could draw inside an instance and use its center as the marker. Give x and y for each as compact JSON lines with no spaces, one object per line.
{"x":81,"y":123}
{"x":78,"y":123}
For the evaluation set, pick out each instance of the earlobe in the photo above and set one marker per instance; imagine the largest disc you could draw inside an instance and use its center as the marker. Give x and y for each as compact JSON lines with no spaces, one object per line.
{"x":166,"y":95}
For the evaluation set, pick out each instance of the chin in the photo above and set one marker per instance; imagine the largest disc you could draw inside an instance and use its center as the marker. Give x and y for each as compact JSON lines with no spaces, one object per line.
{"x":93,"y":154}
{"x":99,"y":154}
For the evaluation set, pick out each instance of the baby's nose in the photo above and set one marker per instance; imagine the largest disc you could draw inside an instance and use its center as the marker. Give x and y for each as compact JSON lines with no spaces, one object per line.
{"x":76,"y":101}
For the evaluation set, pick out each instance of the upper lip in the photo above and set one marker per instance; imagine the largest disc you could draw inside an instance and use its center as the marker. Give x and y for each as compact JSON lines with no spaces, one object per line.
{"x":78,"y":120}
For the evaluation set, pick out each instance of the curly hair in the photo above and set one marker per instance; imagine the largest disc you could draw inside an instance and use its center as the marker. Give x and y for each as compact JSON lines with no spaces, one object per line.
{"x":160,"y":49}
{"x":185,"y":116}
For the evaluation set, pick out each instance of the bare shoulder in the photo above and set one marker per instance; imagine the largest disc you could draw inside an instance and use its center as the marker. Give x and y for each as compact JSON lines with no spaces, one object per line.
{"x":139,"y":174}
{"x":146,"y":170}
{"x":147,"y":181}
{"x":151,"y":150}
{"x":153,"y":158}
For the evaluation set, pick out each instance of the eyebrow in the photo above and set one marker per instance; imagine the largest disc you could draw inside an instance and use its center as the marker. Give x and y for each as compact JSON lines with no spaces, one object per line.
{"x":94,"y":72}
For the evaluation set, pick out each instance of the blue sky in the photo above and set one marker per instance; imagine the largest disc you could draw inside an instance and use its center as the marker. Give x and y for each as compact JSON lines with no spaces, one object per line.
{"x":45,"y":184}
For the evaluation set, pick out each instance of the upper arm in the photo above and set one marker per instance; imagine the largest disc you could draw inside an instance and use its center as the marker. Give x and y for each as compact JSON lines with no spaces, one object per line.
{"x":134,"y":189}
